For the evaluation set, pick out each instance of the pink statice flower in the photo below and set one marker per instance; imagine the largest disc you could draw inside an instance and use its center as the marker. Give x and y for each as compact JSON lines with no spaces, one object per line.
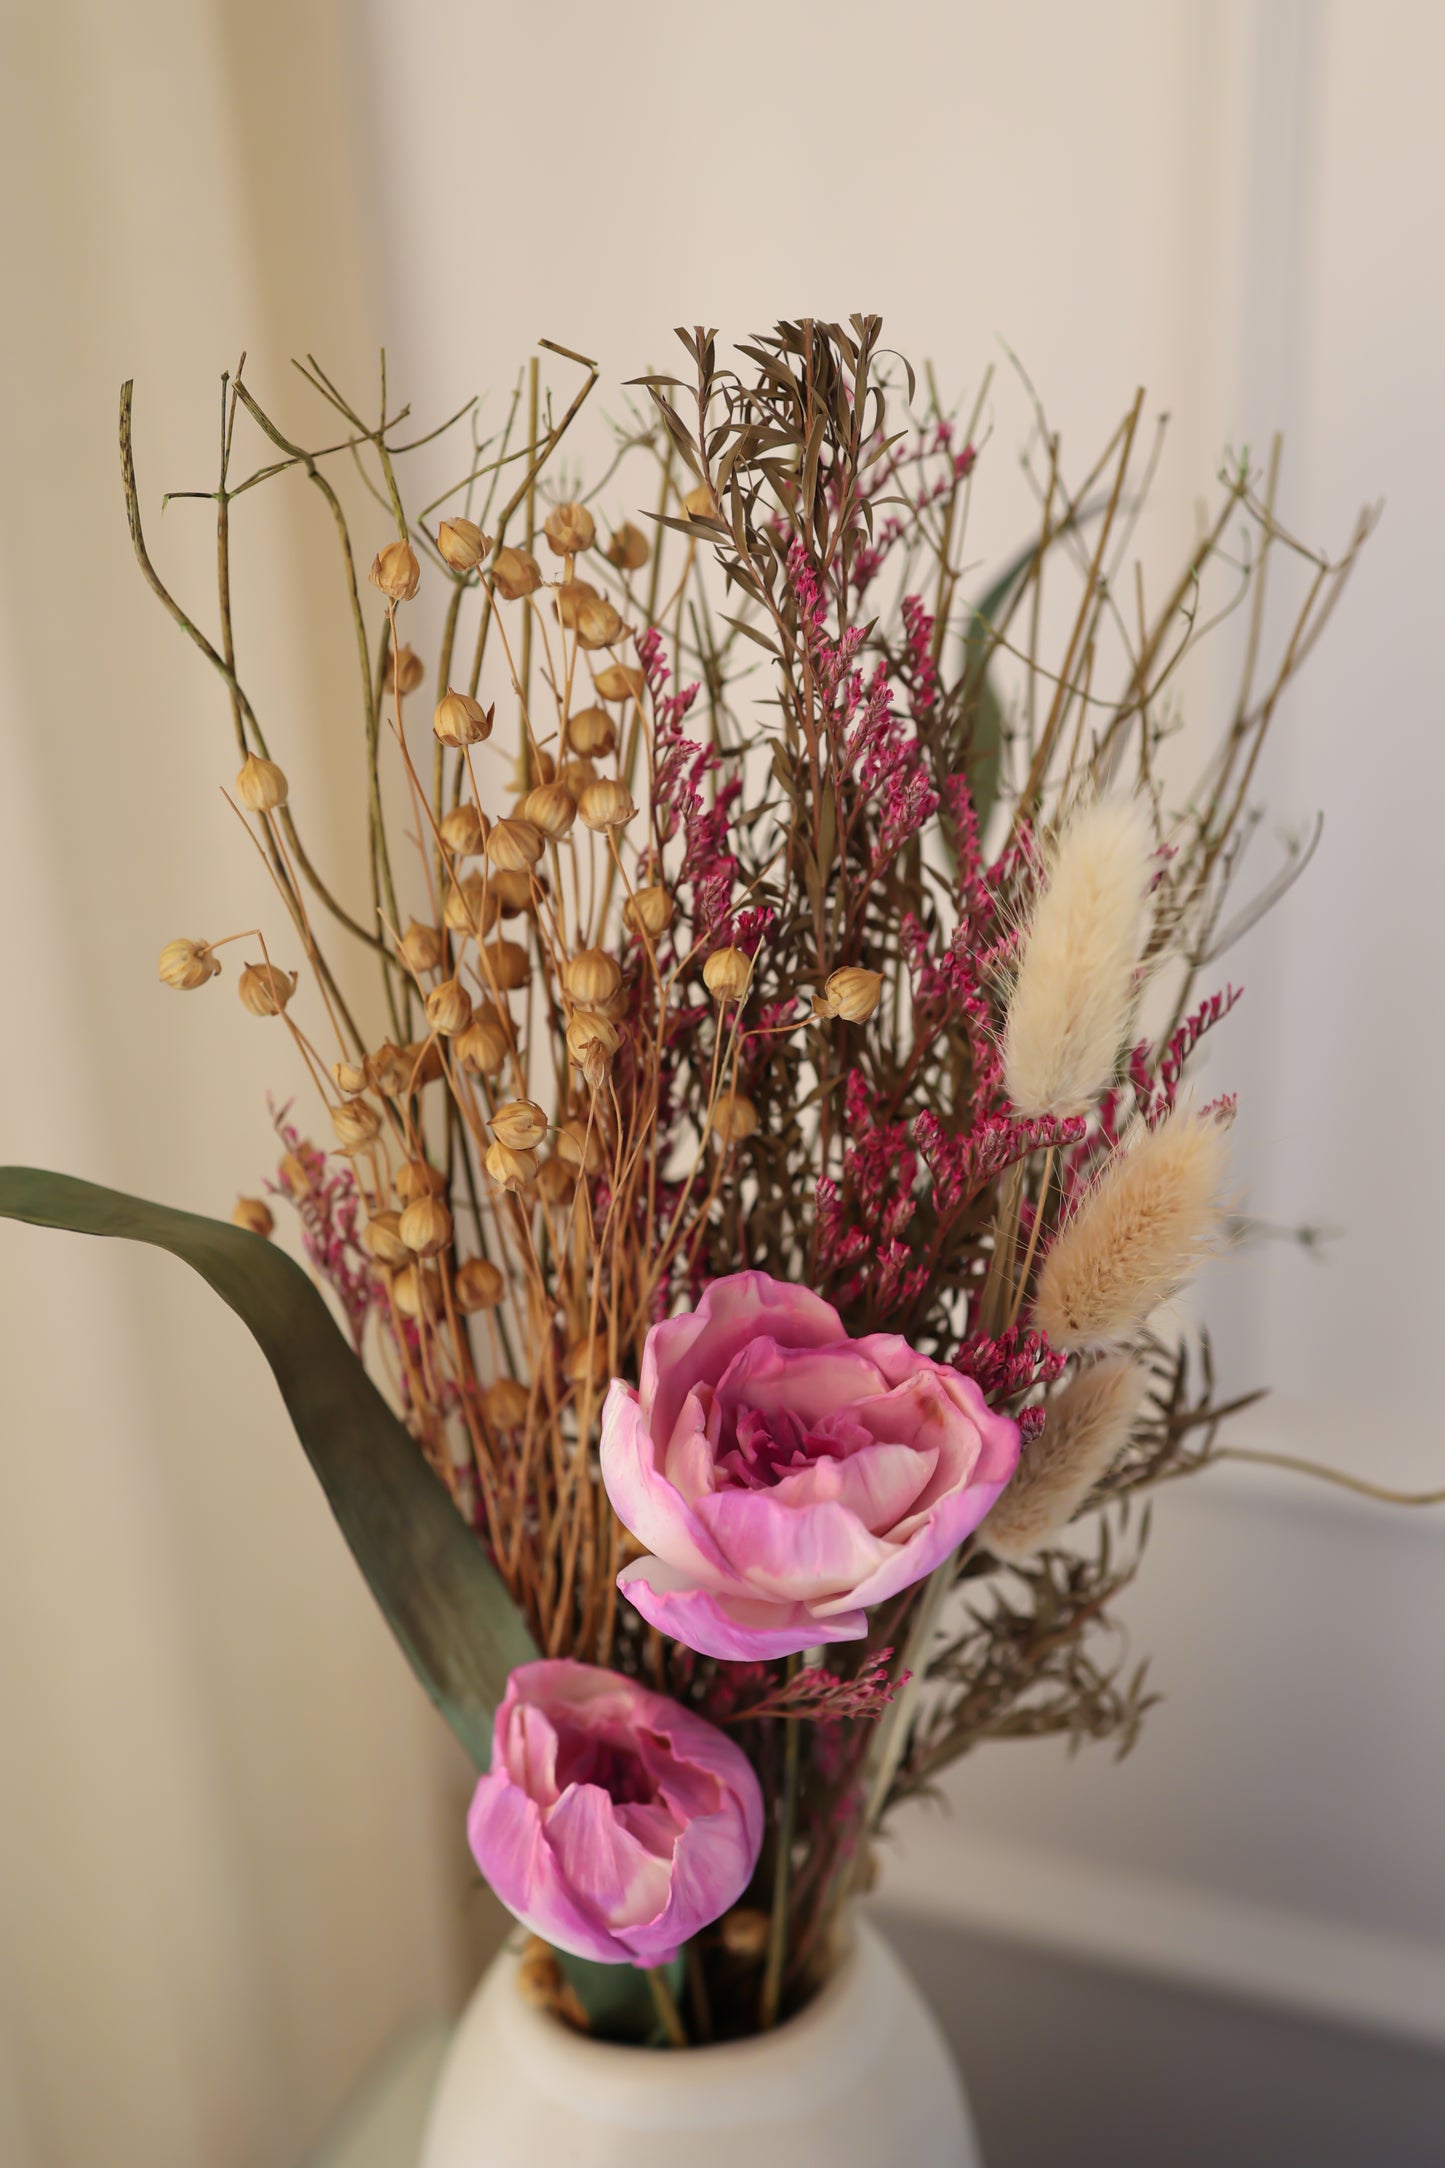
{"x":613,"y":1822}
{"x":786,"y":1477}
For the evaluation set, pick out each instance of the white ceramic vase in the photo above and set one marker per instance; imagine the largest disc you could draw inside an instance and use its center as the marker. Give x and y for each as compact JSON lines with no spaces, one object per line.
{"x":861,"y":2078}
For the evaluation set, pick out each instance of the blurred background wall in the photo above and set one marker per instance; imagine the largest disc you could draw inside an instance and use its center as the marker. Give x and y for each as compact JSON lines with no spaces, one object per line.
{"x":230,"y":1828}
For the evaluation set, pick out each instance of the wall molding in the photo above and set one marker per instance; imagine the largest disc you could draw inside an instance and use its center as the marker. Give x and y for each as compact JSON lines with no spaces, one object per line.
{"x":947,"y":1874}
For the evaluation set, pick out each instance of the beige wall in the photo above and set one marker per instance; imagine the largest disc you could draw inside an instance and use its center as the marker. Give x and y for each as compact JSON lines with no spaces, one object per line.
{"x":230,"y":1827}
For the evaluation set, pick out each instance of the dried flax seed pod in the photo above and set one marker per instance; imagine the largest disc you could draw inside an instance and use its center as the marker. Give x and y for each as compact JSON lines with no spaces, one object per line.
{"x":188,"y":964}
{"x":648,"y":911}
{"x":381,"y":1237}
{"x":504,"y":964}
{"x":483,"y":1047}
{"x":591,"y":1042}
{"x":265,"y":990}
{"x":1086,"y":1430}
{"x":555,"y":1179}
{"x":505,"y":1404}
{"x":516,"y":573}
{"x":587,"y":1362}
{"x":592,"y":733}
{"x":551,"y":809}
{"x":417,"y":1291}
{"x":356,"y":1124}
{"x":514,"y":846}
{"x":348,"y":1077}
{"x":605,"y":804}
{"x":599,"y":624}
{"x":463,"y":831}
{"x":396,"y":572}
{"x":470,"y":906}
{"x":853,"y":993}
{"x":462,"y":545}
{"x":619,"y":682}
{"x":426,"y":1226}
{"x":420,"y":947}
{"x":734,"y":1118}
{"x":459,"y":720}
{"x":261,"y":786}
{"x":407,"y":670}
{"x":577,"y":774}
{"x":726,"y":974}
{"x":628,"y":549}
{"x":569,"y":528}
{"x":744,"y":1932}
{"x":516,"y":893}
{"x":254,"y":1214}
{"x":509,"y":1168}
{"x":701,"y":503}
{"x":520,"y":1123}
{"x":478,"y":1285}
{"x":592,"y":977}
{"x":424,"y":1064}
{"x":449,"y":1007}
{"x":419,"y":1178}
{"x":580,"y":1146}
{"x":568,"y":601}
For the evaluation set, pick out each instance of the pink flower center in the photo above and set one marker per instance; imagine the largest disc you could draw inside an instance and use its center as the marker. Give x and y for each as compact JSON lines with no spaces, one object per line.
{"x":766,"y":1448}
{"x":585,"y":1757}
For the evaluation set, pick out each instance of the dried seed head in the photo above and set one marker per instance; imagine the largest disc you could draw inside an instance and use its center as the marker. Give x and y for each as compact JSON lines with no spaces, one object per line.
{"x":520,"y":1123}
{"x":580,"y":1146}
{"x":254,"y":1214}
{"x":188,"y":964}
{"x":382,"y":1238}
{"x":605,"y":804}
{"x":426,"y":1226}
{"x":726,"y":974}
{"x":568,"y":600}
{"x":389,"y":1069}
{"x":628,"y":548}
{"x":407,"y":669}
{"x":470,"y":906}
{"x":504,"y":964}
{"x":484,"y":1045}
{"x":591,"y":732}
{"x":648,"y":911}
{"x":577,"y":774}
{"x":423,"y":1059}
{"x":417,"y":1291}
{"x":734,"y":1118}
{"x":356,"y":1123}
{"x":348,"y":1077}
{"x":509,"y":1168}
{"x":396,"y":572}
{"x":421,"y":947}
{"x":599,"y":624}
{"x":478,"y":1285}
{"x":550,"y":808}
{"x":462,"y":545}
{"x":295,"y":1174}
{"x":744,"y":1932}
{"x":587,"y":1362}
{"x":419,"y":1178}
{"x":592,"y":977}
{"x":516,"y":892}
{"x":535,"y":765}
{"x":591,"y":1042}
{"x":264,"y":990}
{"x":701,"y":503}
{"x":516,"y":573}
{"x":513,"y":846}
{"x":555,"y":1180}
{"x":460,"y":720}
{"x":853,"y":993}
{"x":1087,"y":1428}
{"x":618,"y":682}
{"x":463,"y":831}
{"x":569,"y":528}
{"x":449,"y":1007}
{"x":504,"y":1404}
{"x":261,"y":785}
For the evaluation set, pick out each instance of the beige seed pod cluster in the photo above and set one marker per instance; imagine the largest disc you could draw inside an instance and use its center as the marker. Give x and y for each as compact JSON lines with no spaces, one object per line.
{"x":580,"y":1146}
{"x":591,"y":733}
{"x":463,"y":831}
{"x":520,"y":1124}
{"x":188,"y":964}
{"x":254,"y":1214}
{"x":265,"y":990}
{"x":648,"y":911}
{"x":462,"y":545}
{"x":419,"y":1178}
{"x":599,"y":624}
{"x":551,"y":810}
{"x":504,"y":964}
{"x":852,"y":993}
{"x":449,"y":1007}
{"x":382,"y":1238}
{"x":592,"y":1040}
{"x":726,"y":974}
{"x":619,"y":682}
{"x":505,"y":1404}
{"x":1077,"y":981}
{"x":1087,"y":1428}
{"x":592,"y":977}
{"x":460,"y":720}
{"x":261,"y":786}
{"x":516,"y":573}
{"x":478,"y":1285}
{"x":426,"y":1226}
{"x":628,"y":548}
{"x":509,"y":1168}
{"x":514,"y":846}
{"x":734,"y":1117}
{"x":407,"y":670}
{"x":569,"y":528}
{"x":484,"y":1045}
{"x":420,"y":947}
{"x":604,"y":805}
{"x":348,"y":1077}
{"x":417,"y":1291}
{"x":470,"y":906}
{"x":396,"y":572}
{"x":1149,"y":1221}
{"x":356,"y":1124}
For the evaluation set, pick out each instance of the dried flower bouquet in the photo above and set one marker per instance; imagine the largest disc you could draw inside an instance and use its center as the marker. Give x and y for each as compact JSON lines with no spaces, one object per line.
{"x":755,"y":1174}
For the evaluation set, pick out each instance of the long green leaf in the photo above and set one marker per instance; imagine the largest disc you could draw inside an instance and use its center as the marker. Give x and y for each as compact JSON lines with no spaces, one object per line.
{"x":444,"y":1601}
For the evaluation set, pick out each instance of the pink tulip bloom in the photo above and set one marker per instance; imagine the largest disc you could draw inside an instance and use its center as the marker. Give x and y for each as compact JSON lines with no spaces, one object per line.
{"x":786,"y":1477}
{"x":613,"y":1822}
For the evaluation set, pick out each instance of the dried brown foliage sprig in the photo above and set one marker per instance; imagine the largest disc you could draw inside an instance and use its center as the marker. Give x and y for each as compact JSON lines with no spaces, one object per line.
{"x":704,"y":862}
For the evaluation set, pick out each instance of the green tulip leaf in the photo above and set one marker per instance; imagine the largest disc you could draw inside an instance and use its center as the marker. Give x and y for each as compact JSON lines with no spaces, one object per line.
{"x":443,"y":1599}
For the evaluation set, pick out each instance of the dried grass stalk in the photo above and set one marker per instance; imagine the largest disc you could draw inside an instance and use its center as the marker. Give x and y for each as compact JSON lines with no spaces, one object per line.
{"x":1088,"y":1427}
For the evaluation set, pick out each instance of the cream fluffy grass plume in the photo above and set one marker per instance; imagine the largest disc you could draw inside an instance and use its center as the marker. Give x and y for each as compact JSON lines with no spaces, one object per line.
{"x":1077,"y":977}
{"x":1088,"y":1428}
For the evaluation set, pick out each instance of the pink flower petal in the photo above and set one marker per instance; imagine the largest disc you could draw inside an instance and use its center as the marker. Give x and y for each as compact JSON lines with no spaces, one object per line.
{"x":733,"y":1628}
{"x":808,"y":1383}
{"x":504,"y":1830}
{"x":605,"y":1867}
{"x":644,"y":1500}
{"x":697,"y":1347}
{"x":877,"y":1484}
{"x":820,"y":1550}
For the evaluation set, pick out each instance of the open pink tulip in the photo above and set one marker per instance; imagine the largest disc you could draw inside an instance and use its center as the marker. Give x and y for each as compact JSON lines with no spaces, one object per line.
{"x":786,"y":1477}
{"x":612,"y":1821}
